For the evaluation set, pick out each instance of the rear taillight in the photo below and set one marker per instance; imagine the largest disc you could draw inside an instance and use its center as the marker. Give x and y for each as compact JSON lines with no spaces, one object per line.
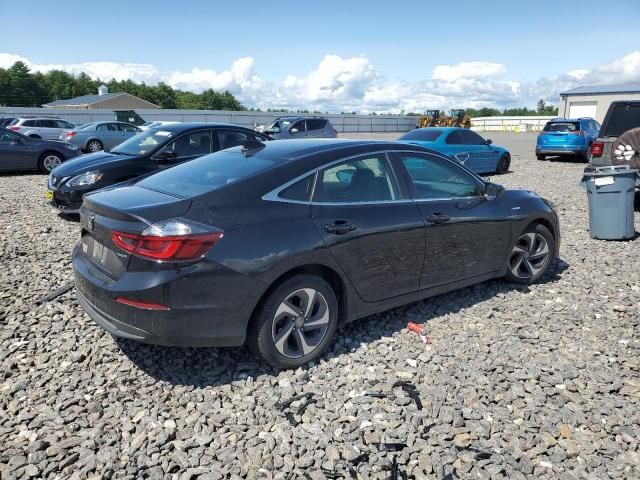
{"x":15,"y":128}
{"x":579,"y":133}
{"x":173,"y":240}
{"x":597,"y":148}
{"x":70,"y":134}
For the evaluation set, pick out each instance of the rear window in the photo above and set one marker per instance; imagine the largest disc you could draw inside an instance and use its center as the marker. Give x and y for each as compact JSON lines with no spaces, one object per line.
{"x":562,"y":127}
{"x":422,"y":135}
{"x":207,"y":173}
{"x":620,"y":119}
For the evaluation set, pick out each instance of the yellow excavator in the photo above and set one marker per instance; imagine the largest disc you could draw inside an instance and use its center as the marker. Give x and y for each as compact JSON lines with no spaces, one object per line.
{"x":433,"y":118}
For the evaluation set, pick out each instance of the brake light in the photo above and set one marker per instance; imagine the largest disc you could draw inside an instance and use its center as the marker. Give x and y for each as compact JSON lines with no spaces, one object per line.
{"x":14,"y":128}
{"x":597,"y":148}
{"x":70,"y":134}
{"x":142,"y":305}
{"x":168,"y":241}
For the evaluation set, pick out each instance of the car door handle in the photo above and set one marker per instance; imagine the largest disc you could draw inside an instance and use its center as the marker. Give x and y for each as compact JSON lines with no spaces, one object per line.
{"x":340,"y":227}
{"x":438,"y":219}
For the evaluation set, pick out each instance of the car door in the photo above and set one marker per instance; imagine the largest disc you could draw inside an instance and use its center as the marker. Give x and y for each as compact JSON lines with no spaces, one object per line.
{"x":16,"y":152}
{"x":48,"y":129}
{"x":467,"y":235}
{"x":375,"y":234}
{"x":483,"y":157}
{"x":186,"y":147}
{"x":455,"y":146}
{"x":108,"y":135}
{"x":298,"y":129}
{"x":127,"y":131}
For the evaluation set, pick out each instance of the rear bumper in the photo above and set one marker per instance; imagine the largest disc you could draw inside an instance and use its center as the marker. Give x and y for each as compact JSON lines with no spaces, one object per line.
{"x":561,"y":150}
{"x":190,"y":322}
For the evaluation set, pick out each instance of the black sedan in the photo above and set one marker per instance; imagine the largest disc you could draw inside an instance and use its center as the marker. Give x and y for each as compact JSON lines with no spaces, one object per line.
{"x":142,"y":154}
{"x":274,"y":245}
{"x":18,"y":152}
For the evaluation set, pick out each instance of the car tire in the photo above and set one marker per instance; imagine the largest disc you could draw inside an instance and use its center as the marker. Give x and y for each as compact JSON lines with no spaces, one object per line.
{"x":503,"y":164}
{"x":531,"y":255}
{"x":586,"y":156}
{"x":48,"y":161}
{"x":94,"y":146}
{"x":540,"y":157}
{"x":279,"y":333}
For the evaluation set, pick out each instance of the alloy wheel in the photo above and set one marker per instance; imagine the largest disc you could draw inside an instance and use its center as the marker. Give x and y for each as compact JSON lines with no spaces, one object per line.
{"x":529,"y":255}
{"x":300,"y":323}
{"x":51,"y":161}
{"x":94,"y":146}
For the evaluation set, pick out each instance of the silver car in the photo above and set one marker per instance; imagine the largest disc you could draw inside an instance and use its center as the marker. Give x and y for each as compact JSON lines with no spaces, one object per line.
{"x":300,"y":127}
{"x":45,"y":128}
{"x":97,"y":136}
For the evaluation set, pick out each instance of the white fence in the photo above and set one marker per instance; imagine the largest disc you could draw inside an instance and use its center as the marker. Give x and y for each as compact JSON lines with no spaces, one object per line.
{"x":509,"y":124}
{"x":342,"y":123}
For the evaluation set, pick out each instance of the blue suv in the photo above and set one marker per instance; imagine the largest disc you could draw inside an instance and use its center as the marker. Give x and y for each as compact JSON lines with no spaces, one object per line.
{"x":567,"y":136}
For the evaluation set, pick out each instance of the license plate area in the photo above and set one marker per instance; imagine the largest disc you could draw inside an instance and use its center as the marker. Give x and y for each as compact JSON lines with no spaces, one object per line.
{"x":48,"y":195}
{"x":103,"y":256}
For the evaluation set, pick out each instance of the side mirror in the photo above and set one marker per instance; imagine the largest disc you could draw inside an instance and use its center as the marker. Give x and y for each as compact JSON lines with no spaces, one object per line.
{"x":294,"y":130}
{"x":492,"y":190}
{"x":166,"y":155}
{"x":488,"y":141}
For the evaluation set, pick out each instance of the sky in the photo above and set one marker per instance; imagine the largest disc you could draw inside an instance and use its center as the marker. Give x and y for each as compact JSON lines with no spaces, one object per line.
{"x":336,"y":55}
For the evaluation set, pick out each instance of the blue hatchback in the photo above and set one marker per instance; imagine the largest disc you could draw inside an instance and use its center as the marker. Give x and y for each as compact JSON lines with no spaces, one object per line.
{"x":567,"y":136}
{"x":467,"y":147}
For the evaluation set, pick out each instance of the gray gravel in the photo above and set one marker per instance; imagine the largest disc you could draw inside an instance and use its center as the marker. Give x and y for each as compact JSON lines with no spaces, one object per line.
{"x":538,"y":382}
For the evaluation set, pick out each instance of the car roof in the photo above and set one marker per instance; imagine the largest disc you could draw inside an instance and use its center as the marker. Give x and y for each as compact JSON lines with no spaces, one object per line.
{"x":561,"y":120}
{"x":443,"y":129}
{"x":186,"y":126}
{"x":288,"y":150}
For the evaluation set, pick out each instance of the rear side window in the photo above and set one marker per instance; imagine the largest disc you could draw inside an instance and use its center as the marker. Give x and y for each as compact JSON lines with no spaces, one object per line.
{"x":620,"y":119}
{"x":562,"y":127}
{"x":425,"y":135}
{"x":316,"y":124}
{"x":301,"y":190}
{"x":48,"y":124}
{"x":206,"y":174}
{"x":30,"y":123}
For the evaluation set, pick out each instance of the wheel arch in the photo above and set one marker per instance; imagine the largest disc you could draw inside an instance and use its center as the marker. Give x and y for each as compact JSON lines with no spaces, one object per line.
{"x":325,"y":272}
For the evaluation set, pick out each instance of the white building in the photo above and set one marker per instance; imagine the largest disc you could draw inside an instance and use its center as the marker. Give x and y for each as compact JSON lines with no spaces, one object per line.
{"x":594,"y":101}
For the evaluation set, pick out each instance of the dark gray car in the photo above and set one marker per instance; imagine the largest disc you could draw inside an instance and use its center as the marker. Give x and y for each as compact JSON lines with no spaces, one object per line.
{"x":300,"y":127}
{"x":18,"y":152}
{"x":97,"y":136}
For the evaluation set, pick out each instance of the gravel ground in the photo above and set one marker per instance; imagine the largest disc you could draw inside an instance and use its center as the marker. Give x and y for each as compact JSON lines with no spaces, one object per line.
{"x":517,"y":382}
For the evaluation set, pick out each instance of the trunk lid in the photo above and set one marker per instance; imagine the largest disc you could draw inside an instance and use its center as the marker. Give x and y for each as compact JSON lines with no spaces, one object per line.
{"x":128,"y":209}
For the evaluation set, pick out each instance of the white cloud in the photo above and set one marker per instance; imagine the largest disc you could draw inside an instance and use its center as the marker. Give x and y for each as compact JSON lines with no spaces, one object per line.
{"x":353,"y":84}
{"x":464,"y":70}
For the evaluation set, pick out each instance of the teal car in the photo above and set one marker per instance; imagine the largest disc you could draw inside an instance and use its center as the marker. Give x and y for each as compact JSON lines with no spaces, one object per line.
{"x":464,"y":145}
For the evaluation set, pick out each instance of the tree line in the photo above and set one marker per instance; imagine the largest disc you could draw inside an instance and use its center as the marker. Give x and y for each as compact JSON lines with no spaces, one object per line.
{"x":19,"y":87}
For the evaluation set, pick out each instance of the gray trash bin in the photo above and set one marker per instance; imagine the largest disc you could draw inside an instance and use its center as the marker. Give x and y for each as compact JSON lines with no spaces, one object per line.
{"x":610,"y":191}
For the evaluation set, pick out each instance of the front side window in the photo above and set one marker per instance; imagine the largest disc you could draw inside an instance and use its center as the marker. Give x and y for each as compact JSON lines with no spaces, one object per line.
{"x":366,"y":179}
{"x":471,"y":138}
{"x":455,"y":138}
{"x":300,"y":126}
{"x":436,"y":178}
{"x":190,"y":145}
{"x":123,"y":127}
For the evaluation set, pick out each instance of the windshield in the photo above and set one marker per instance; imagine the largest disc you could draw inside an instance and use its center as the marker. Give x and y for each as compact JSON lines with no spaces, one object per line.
{"x":562,"y":127}
{"x":207,"y":173}
{"x":422,"y":134}
{"x":281,"y":123}
{"x":144,"y":142}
